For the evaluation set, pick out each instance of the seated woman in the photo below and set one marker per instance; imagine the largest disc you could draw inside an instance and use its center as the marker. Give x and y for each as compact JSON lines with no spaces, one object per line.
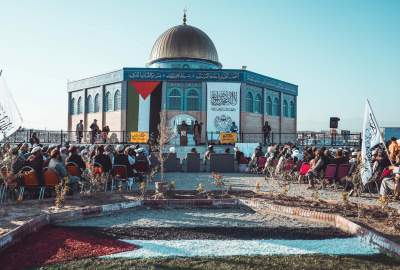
{"x":391,"y":185}
{"x":316,"y":169}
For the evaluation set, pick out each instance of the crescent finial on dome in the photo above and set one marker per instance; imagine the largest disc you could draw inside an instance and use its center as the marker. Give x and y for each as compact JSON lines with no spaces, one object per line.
{"x":184,"y":16}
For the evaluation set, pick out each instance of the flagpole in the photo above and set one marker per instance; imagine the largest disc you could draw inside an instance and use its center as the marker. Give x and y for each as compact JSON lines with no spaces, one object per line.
{"x":380,"y":133}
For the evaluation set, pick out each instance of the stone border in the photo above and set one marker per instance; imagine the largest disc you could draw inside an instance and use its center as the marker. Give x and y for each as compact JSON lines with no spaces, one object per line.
{"x":385,"y":245}
{"x":40,"y":221}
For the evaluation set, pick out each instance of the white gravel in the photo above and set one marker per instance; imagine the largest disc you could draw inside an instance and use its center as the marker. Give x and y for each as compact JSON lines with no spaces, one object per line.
{"x":219,"y":248}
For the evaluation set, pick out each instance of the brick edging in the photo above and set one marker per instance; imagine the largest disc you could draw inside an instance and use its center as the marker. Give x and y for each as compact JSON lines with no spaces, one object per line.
{"x":385,"y":245}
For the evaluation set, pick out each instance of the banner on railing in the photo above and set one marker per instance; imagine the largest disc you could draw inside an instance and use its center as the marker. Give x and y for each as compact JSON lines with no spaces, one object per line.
{"x":139,"y":137}
{"x":227,"y":137}
{"x":223,"y":108}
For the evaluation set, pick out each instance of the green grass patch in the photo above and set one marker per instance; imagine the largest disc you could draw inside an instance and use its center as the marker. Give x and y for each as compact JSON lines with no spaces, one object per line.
{"x":237,"y":262}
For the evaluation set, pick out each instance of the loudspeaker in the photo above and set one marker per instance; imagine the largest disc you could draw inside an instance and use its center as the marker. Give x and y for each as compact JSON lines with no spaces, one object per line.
{"x":334,"y":122}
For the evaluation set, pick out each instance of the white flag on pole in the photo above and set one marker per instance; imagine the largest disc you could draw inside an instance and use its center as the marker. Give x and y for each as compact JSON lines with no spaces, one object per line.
{"x":371,"y":137}
{"x":10,"y":118}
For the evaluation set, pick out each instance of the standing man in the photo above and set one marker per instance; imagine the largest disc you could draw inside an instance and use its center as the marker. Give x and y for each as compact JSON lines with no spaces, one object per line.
{"x":94,"y":128}
{"x":183,"y":131}
{"x":266,"y":131}
{"x":234,"y":128}
{"x":34,"y":140}
{"x":79,"y":131}
{"x":197,"y":132}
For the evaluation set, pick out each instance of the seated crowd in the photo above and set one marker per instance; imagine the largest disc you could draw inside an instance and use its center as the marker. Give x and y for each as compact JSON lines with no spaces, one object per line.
{"x":16,"y":161}
{"x":312,"y":165}
{"x":327,"y":166}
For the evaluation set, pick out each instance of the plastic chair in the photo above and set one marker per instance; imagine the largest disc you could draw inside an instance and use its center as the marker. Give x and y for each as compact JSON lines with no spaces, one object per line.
{"x":261,"y":163}
{"x":385,"y":173}
{"x":305,"y":167}
{"x":30,"y":181}
{"x":289,"y":165}
{"x":97,"y":169}
{"x":51,"y":179}
{"x":342,"y":171}
{"x":330,"y":172}
{"x":73,"y":169}
{"x":118,"y":172}
{"x":141,"y":166}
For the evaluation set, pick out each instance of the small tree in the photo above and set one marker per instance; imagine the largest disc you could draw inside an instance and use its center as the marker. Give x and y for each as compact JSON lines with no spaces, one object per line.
{"x":163,"y":137}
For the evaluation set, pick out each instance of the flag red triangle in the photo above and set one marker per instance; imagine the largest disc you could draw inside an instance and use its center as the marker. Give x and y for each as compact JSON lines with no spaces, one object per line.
{"x":144,"y":88}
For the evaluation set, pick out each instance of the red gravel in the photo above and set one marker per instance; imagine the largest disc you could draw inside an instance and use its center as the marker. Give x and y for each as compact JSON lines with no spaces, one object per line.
{"x":55,"y":245}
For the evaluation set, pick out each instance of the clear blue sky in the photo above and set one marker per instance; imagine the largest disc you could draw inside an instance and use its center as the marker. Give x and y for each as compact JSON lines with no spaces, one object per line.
{"x":338,"y":52}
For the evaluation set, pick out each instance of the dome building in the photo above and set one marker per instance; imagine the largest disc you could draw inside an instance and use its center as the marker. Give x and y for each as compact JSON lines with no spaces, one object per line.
{"x":184,"y":80}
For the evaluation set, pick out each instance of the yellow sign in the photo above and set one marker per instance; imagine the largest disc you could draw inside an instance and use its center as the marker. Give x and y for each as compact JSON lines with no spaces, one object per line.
{"x":139,"y":137}
{"x":227,"y":137}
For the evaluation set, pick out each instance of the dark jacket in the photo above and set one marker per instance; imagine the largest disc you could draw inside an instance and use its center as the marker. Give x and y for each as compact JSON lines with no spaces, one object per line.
{"x":17,"y":164}
{"x":104,"y":161}
{"x":121,"y":159}
{"x":77,"y":159}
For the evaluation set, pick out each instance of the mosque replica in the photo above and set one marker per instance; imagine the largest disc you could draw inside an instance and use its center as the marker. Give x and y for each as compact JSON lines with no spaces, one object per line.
{"x":184,"y":81}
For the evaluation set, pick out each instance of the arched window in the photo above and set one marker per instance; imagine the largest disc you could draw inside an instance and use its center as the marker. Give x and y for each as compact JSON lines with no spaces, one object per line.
{"x":175,"y":100}
{"x":269,"y":106}
{"x":79,"y":106}
{"x":96,"y":103}
{"x":257,"y":104}
{"x":285,"y":109}
{"x":192,"y":100}
{"x":73,"y":108}
{"x":90,"y":104}
{"x":292,"y":109}
{"x":117,"y":101}
{"x":249,"y":102}
{"x":107,"y":102}
{"x":276,"y":107}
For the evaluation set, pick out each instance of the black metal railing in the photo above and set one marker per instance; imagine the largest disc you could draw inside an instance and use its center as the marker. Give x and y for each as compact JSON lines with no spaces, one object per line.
{"x":116,"y":137}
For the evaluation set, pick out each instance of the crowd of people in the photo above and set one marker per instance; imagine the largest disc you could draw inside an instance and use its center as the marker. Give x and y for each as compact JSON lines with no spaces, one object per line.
{"x":15,"y":160}
{"x":308,"y":165}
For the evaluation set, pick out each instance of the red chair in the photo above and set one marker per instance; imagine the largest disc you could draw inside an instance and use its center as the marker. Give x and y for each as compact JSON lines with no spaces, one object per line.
{"x":141,"y":166}
{"x":298,"y":166}
{"x":305,"y":167}
{"x":51,"y":179}
{"x":97,"y":169}
{"x":119,"y":172}
{"x":289,"y":165}
{"x":385,"y":173}
{"x":261,"y":163}
{"x":330,"y":172}
{"x":30,"y":181}
{"x":342,"y":171}
{"x":73,"y":169}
